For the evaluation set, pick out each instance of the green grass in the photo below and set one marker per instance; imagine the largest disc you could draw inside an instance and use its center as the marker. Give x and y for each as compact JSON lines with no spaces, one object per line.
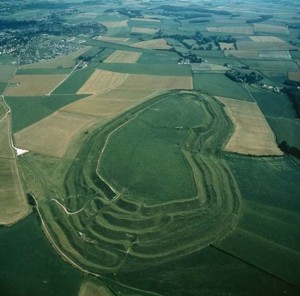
{"x":280,"y":115}
{"x":25,"y":252}
{"x":159,"y":58}
{"x":285,"y":129}
{"x":148,"y":69}
{"x":2,"y":87}
{"x":74,"y":82}
{"x":46,"y":71}
{"x":220,"y":85}
{"x":272,"y":65}
{"x":28,"y":110}
{"x":143,"y":141}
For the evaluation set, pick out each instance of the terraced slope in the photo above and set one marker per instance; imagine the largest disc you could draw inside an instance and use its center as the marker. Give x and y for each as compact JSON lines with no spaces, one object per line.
{"x":147,"y":187}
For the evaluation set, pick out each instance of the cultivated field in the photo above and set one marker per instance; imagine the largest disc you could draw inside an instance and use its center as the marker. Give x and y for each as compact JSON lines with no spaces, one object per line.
{"x":92,"y":289}
{"x":259,"y":45}
{"x":123,"y":56}
{"x":243,"y":54}
{"x":227,"y":46}
{"x":271,"y":29}
{"x":294,"y":76}
{"x":206,"y":67}
{"x":154,"y":82}
{"x":114,"y":39}
{"x":12,"y":197}
{"x":6,"y":150}
{"x":153,"y":44}
{"x":252,"y":134}
{"x":115,"y":24}
{"x":149,"y":31}
{"x":272,"y":39}
{"x":108,"y":104}
{"x":53,"y":134}
{"x":231,"y":30}
{"x":102,"y":80}
{"x":33,"y":85}
{"x":275,"y":54}
{"x":146,"y":20}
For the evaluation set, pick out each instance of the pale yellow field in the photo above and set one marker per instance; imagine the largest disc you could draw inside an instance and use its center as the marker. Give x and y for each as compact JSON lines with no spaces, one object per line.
{"x":6,"y":150}
{"x":153,"y":44}
{"x":270,"y":29}
{"x":34,"y":85}
{"x":91,"y":289}
{"x":115,"y":24}
{"x":12,"y":197}
{"x":227,"y":46}
{"x":102,"y":80}
{"x":113,"y":39}
{"x":209,"y":67}
{"x":252,"y":134}
{"x":63,"y":61}
{"x":53,"y":134}
{"x":145,"y":19}
{"x":122,"y":56}
{"x":231,"y":30}
{"x":295,"y":76}
{"x":275,"y":54}
{"x":153,"y":82}
{"x":108,"y":104}
{"x":266,"y":39}
{"x":149,"y":31}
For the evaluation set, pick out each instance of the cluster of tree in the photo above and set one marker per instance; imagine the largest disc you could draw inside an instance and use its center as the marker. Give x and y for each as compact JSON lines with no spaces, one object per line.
{"x":293,"y":151}
{"x":293,"y":95}
{"x":261,"y":18}
{"x":238,"y":76}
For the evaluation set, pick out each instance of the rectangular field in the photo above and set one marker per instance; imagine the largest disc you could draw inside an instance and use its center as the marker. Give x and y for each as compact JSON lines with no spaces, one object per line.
{"x":271,"y":29}
{"x":219,"y":85}
{"x":53,"y":134}
{"x":102,"y":80}
{"x":153,"y":44}
{"x":108,"y":104}
{"x":153,"y":82}
{"x":149,"y":31}
{"x":227,"y":46}
{"x":275,"y":54}
{"x":123,"y":56}
{"x":231,"y":30}
{"x":6,"y":150}
{"x":252,"y":134}
{"x":266,"y":39}
{"x":12,"y":197}
{"x":115,"y":24}
{"x":259,"y":45}
{"x":33,"y":85}
{"x":295,"y":76}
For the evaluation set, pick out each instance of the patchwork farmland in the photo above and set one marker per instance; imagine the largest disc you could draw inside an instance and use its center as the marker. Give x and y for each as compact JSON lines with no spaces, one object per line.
{"x":160,"y":143}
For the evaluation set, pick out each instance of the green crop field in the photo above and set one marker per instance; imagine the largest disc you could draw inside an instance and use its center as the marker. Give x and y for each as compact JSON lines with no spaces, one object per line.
{"x":23,"y":115}
{"x":74,"y":82}
{"x":220,"y":85}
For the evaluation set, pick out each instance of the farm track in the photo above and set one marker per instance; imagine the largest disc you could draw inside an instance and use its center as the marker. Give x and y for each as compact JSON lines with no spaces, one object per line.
{"x":103,"y":228}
